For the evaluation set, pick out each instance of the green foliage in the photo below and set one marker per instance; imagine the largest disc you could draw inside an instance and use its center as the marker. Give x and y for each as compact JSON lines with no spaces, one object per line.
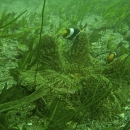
{"x":110,"y":45}
{"x":25,"y":36}
{"x":72,"y":86}
{"x":127,"y":126}
{"x":59,"y":116}
{"x":119,"y":48}
{"x":115,"y":13}
{"x":95,"y":36}
{"x":4,"y":17}
{"x":109,"y":128}
{"x":8,"y":95}
{"x":4,"y":125}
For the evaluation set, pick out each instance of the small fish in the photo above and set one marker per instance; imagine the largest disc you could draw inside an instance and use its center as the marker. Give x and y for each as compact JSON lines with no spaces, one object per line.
{"x":70,"y":33}
{"x":111,"y":57}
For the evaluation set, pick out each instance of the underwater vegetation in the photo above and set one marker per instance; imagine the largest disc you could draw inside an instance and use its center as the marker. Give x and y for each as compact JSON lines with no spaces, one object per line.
{"x":66,"y":86}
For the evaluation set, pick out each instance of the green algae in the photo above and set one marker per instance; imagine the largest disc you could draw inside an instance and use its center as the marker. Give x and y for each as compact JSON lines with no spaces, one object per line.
{"x":80,"y":82}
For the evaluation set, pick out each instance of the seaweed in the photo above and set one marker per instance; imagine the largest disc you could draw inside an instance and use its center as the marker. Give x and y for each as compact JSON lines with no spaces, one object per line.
{"x":57,"y":121}
{"x":72,"y":84}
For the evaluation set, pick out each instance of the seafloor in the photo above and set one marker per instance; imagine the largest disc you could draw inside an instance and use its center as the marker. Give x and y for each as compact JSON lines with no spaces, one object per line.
{"x":8,"y":50}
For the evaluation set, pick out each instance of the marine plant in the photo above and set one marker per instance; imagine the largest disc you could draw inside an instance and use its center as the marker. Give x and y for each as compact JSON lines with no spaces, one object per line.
{"x":117,"y":14}
{"x":72,"y":85}
{"x":76,"y":80}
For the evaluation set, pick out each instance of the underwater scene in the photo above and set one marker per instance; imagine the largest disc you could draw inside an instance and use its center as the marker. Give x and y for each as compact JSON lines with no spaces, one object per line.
{"x":65,"y":65}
